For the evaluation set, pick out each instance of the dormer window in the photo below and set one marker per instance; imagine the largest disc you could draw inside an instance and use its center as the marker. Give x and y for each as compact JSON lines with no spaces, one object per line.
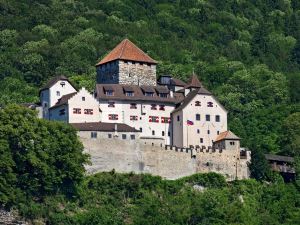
{"x":163,"y":95}
{"x":197,"y":103}
{"x":129,"y":93}
{"x":109,"y":93}
{"x":150,"y":94}
{"x":62,"y":84}
{"x":210,"y":104}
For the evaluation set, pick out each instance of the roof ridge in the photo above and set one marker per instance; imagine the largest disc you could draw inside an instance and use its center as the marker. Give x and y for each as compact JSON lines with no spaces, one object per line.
{"x":123,"y":47}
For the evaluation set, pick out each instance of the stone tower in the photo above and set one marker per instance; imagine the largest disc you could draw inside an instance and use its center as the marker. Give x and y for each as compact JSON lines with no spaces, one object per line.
{"x":127,"y":64}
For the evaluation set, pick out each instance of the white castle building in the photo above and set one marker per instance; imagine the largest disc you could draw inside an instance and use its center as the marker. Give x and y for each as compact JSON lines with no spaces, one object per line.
{"x":127,"y":93}
{"x":128,"y":98}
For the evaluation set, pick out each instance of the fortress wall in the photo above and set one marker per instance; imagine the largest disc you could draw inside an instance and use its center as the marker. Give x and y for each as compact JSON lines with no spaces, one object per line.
{"x":170,"y":163}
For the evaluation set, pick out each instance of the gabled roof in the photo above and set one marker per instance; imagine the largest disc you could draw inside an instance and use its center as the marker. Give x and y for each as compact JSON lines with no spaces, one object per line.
{"x":106,"y":127}
{"x":177,"y":82}
{"x":54,"y":80}
{"x":63,"y":100}
{"x":190,"y":96}
{"x":126,"y":50}
{"x":227,"y":135}
{"x":194,"y":82}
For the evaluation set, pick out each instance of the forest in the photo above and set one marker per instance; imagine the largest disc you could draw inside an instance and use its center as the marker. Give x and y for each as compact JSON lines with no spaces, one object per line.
{"x":246,"y":52}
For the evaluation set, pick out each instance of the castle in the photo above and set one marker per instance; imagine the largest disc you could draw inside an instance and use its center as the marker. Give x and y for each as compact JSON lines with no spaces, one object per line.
{"x":134,"y":122}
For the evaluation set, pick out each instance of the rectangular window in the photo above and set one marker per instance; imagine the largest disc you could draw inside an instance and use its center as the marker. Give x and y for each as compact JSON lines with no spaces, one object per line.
{"x":169,"y":134}
{"x":62,"y":112}
{"x":218,"y":118}
{"x":83,"y":98}
{"x":165,"y":120}
{"x":76,"y":111}
{"x":207,"y":117}
{"x":218,"y":132}
{"x":58,"y":93}
{"x":88,"y":111}
{"x":109,"y":93}
{"x":201,"y":140}
{"x":111,"y":104}
{"x":198,"y":117}
{"x":210,"y":104}
{"x":132,"y":137}
{"x":162,"y":107}
{"x":133,"y":118}
{"x":208,"y":131}
{"x":178,"y":118}
{"x":133,"y":106}
{"x":153,"y":107}
{"x":113,"y":116}
{"x":141,"y":129}
{"x":162,"y":133}
{"x":232,"y":143}
{"x":153,"y":119}
{"x":109,"y":135}
{"x":198,"y":131}
{"x":153,"y":132}
{"x":123,"y":136}
{"x":93,"y":134}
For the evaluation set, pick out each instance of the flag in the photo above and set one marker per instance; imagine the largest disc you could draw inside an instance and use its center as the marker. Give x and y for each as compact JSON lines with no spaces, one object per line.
{"x":189,"y":122}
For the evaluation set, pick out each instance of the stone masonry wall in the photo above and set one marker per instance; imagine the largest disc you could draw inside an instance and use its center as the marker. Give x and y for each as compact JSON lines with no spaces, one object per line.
{"x":120,"y":72}
{"x":154,"y":158}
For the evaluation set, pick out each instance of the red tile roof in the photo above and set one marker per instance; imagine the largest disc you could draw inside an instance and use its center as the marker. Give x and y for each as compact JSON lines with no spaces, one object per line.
{"x":194,"y":82}
{"x":227,"y":135}
{"x":126,"y":50}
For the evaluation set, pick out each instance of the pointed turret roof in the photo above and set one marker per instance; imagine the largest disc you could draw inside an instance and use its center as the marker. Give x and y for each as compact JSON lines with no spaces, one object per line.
{"x":227,"y":135}
{"x":194,"y":82}
{"x":126,"y":50}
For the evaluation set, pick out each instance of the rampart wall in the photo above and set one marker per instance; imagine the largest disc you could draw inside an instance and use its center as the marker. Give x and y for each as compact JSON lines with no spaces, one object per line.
{"x":153,"y":157}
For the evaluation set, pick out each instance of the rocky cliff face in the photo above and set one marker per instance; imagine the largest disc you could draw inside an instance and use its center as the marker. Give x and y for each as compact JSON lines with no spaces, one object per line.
{"x":11,"y":218}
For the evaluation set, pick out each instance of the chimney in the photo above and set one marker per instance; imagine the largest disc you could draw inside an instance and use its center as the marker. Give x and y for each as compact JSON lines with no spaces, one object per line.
{"x":171,"y":93}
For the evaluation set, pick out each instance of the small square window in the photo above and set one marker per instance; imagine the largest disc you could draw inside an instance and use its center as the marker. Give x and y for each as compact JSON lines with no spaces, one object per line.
{"x":109,"y":135}
{"x":83,"y":98}
{"x":123,"y":136}
{"x":58,"y":93}
{"x":132,"y":137}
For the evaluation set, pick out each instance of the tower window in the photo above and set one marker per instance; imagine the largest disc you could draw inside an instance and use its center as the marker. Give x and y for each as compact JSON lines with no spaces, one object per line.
{"x":198,"y":117}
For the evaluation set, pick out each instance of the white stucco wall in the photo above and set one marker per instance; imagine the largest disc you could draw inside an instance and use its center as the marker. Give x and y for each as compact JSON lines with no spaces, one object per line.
{"x":63,"y":90}
{"x":143,"y":111}
{"x":190,"y":134}
{"x":177,"y":129}
{"x":89,"y":103}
